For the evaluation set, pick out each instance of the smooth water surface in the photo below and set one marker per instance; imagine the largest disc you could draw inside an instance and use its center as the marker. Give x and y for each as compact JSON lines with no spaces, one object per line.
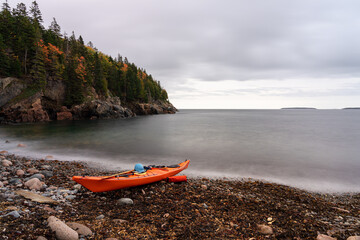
{"x":311,"y":149}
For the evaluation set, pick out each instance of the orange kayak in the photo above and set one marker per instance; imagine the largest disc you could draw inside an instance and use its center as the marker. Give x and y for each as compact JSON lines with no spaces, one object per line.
{"x":130,"y":179}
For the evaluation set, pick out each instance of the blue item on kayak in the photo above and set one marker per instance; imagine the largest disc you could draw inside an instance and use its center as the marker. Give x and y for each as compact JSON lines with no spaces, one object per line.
{"x":139,"y":168}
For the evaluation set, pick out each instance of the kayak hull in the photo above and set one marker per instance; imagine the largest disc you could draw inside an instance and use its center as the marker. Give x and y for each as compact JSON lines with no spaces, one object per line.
{"x":110,"y":183}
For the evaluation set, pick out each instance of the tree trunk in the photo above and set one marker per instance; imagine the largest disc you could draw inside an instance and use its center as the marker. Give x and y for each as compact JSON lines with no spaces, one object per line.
{"x":25,"y":70}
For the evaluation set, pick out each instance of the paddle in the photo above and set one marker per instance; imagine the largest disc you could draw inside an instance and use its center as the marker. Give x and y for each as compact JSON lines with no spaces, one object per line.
{"x":114,"y":175}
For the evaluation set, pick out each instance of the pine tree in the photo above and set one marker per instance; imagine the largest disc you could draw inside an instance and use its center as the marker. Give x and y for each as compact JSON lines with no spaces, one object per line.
{"x":55,"y":28}
{"x":36,"y":13}
{"x":74,"y":87}
{"x":99,"y":79}
{"x":38,"y":72}
{"x":24,"y":36}
{"x":4,"y":59}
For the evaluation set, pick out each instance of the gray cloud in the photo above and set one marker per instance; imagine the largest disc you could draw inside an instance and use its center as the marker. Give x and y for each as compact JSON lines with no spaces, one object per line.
{"x":213,"y":40}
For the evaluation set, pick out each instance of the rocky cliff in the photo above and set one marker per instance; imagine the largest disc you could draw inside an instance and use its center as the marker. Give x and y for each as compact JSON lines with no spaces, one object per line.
{"x":19,"y":103}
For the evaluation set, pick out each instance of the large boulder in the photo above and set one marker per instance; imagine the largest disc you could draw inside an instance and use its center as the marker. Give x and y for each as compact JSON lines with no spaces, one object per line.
{"x":64,"y":114}
{"x":62,"y":231}
{"x":80,"y":228}
{"x":34,"y":183}
{"x":36,"y":113}
{"x":102,"y":109}
{"x":156,"y":107}
{"x":26,"y":110}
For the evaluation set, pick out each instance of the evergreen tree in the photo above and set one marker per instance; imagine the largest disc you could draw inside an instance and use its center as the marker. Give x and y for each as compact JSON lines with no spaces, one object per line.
{"x":38,"y":72}
{"x":36,"y":13}
{"x":24,"y":36}
{"x":74,"y":87}
{"x":55,"y":28}
{"x":99,"y":79}
{"x":28,"y":49}
{"x":4,"y":59}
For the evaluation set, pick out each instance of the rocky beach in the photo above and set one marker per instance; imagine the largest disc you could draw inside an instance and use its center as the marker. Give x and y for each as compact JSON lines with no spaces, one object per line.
{"x":40,"y":201}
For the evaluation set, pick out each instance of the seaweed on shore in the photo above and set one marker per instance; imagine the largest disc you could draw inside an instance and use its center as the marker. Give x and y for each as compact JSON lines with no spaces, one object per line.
{"x":199,"y":209}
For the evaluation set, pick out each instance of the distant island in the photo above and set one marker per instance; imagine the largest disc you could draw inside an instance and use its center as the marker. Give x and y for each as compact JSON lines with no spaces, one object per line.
{"x":298,"y":108}
{"x":352,"y":108}
{"x":46,"y":75}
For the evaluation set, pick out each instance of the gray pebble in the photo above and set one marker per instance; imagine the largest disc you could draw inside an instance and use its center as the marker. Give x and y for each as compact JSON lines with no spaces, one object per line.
{"x":15,"y":214}
{"x":125,"y":201}
{"x":70,"y":197}
{"x":47,"y":174}
{"x":15,"y":181}
{"x":37,"y":175}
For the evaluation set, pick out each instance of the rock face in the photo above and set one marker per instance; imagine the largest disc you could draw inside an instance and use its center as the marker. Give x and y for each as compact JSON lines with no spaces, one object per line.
{"x":102,"y":109}
{"x":64,"y":114}
{"x":48,"y":104}
{"x":157,"y":107}
{"x":9,"y":88}
{"x":55,"y":91}
{"x":27,"y":110}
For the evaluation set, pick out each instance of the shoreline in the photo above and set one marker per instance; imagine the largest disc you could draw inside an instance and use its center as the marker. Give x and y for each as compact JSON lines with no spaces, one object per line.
{"x":201,"y":208}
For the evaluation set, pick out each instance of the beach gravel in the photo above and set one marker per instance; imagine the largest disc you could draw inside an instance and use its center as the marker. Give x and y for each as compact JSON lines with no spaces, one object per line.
{"x":224,"y":209}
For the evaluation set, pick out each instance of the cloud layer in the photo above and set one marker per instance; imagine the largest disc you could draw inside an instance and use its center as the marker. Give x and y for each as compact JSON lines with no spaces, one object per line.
{"x":182,"y":43}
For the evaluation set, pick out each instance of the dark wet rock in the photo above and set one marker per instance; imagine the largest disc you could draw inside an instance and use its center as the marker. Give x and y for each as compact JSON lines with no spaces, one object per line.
{"x":36,"y":175}
{"x":15,"y":181}
{"x":64,"y":114}
{"x":165,"y":211}
{"x":102,"y":109}
{"x":47,"y":174}
{"x":157,"y":107}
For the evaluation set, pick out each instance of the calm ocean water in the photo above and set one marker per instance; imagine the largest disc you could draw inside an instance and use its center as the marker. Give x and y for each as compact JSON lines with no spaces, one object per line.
{"x":316,"y":150}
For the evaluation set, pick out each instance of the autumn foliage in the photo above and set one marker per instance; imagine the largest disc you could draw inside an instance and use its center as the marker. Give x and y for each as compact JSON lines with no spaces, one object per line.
{"x":30,"y":51}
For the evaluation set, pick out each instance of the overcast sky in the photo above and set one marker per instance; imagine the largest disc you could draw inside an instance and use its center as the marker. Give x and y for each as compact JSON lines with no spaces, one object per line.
{"x":229,"y":54}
